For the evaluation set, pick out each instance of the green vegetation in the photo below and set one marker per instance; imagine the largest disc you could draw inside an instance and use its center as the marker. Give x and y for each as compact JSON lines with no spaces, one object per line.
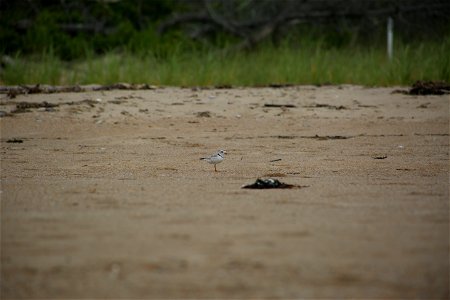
{"x":311,"y":63}
{"x":84,"y":42}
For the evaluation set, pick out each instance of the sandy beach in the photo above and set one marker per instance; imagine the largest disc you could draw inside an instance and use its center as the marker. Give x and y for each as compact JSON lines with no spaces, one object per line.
{"x":103,"y":194}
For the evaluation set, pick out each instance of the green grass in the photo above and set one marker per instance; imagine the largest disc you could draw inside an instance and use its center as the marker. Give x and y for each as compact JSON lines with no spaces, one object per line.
{"x":309,"y":64}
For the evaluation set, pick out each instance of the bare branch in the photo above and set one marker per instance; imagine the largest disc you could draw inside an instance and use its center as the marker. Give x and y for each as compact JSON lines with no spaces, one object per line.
{"x":194,"y":17}
{"x":222,"y":21}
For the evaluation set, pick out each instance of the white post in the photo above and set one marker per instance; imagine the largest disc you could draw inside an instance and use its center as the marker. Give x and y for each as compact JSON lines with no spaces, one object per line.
{"x":390,"y":37}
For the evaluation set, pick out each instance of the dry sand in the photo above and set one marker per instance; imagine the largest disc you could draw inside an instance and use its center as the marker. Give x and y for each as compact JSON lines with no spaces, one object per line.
{"x":106,"y":196}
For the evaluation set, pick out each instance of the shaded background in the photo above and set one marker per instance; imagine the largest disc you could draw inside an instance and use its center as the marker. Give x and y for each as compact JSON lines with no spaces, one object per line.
{"x":74,"y":29}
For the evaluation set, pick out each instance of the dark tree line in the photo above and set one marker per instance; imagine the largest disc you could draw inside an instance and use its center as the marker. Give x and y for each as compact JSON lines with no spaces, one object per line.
{"x":255,"y":20}
{"x":26,"y":25}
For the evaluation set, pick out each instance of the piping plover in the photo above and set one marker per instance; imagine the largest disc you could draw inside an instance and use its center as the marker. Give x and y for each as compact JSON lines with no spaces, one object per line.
{"x":215,"y":158}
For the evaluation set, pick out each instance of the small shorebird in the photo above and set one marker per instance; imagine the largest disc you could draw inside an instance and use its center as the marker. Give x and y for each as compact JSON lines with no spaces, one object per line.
{"x":215,"y":158}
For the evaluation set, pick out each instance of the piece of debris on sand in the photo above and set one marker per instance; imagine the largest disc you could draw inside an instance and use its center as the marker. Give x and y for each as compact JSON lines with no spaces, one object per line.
{"x":22,"y":107}
{"x":279,"y":105}
{"x":203,"y":114}
{"x":270,"y":183}
{"x":427,"y":88}
{"x":15,"y":140}
{"x":430,"y":88}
